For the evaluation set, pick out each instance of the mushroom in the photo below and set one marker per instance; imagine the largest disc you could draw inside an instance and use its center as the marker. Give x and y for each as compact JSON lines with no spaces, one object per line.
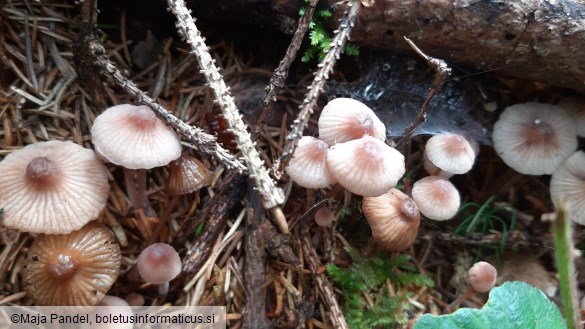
{"x":159,"y":263}
{"x":345,"y":119}
{"x":134,"y":138}
{"x":575,"y":107}
{"x":450,"y":152}
{"x":394,"y":219}
{"x":482,"y":278}
{"x":187,"y":175}
{"x":73,"y":269}
{"x":52,"y":187}
{"x":567,"y":185}
{"x":308,"y":167}
{"x":436,"y":197}
{"x":366,"y":166}
{"x":534,"y":138}
{"x":324,"y":217}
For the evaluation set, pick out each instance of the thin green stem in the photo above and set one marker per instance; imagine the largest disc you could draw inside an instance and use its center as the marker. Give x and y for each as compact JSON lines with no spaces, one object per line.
{"x":564,"y":251}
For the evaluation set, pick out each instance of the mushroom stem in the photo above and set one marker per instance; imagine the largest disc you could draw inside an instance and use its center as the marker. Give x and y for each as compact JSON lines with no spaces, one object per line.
{"x":455,"y":304}
{"x":136,"y":186}
{"x":163,"y":289}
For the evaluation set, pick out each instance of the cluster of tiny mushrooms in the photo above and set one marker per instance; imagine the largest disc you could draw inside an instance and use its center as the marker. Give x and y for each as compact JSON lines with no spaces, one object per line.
{"x":57,"y":189}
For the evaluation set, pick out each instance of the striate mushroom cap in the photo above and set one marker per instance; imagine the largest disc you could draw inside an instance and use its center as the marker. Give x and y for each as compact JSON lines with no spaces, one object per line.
{"x":436,"y":197}
{"x":567,"y":185}
{"x":159,"y":263}
{"x":394,"y":219}
{"x":345,"y":119}
{"x":450,"y":152}
{"x":52,"y":187}
{"x":482,"y":276}
{"x":366,"y":166}
{"x":134,"y":137}
{"x":534,"y":138}
{"x":308,"y":167}
{"x":186,"y":175}
{"x":76,"y":269}
{"x":575,"y":107}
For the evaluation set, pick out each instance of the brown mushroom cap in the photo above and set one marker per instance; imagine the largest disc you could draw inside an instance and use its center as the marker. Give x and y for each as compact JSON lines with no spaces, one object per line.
{"x":73,"y":269}
{"x":482,"y":276}
{"x":394,"y":219}
{"x":52,"y":187}
{"x":534,"y":138}
{"x":134,"y":137}
{"x":186,"y":175}
{"x":159,"y":263}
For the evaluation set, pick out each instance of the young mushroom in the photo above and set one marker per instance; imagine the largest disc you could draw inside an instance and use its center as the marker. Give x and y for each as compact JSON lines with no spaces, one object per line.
{"x":308,"y":167}
{"x":482,"y":278}
{"x":345,"y":119}
{"x":567,"y":185}
{"x":159,"y":263}
{"x":52,"y":187}
{"x":534,"y":138}
{"x":450,"y":152}
{"x":187,"y":175}
{"x":366,"y":166}
{"x":394,"y":219}
{"x":436,"y":197}
{"x":73,"y":269}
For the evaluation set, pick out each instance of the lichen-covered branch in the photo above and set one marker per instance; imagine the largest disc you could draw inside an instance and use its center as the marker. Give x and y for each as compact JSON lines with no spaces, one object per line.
{"x":271,"y":195}
{"x":202,"y":141}
{"x":325,"y":68}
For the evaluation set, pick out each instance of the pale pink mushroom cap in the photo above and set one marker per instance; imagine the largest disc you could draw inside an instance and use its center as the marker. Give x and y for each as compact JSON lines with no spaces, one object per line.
{"x":433,"y":170}
{"x":436,"y":198}
{"x":366,"y":166}
{"x":308,"y":167}
{"x":52,"y":187}
{"x":133,"y":137}
{"x":324,"y":217}
{"x":159,"y":263}
{"x":575,"y":107}
{"x":534,"y":138}
{"x":567,"y":185}
{"x":345,"y":119}
{"x":450,"y":152}
{"x":482,"y":276}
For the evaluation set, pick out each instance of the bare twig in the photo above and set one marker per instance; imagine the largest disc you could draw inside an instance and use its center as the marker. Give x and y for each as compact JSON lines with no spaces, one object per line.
{"x":325,"y":68}
{"x":442,"y":74}
{"x":272,"y":196}
{"x":335,"y":314}
{"x":280,"y":74}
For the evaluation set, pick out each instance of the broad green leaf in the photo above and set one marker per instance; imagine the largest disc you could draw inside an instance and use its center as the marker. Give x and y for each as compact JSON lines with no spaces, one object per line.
{"x":514,"y":305}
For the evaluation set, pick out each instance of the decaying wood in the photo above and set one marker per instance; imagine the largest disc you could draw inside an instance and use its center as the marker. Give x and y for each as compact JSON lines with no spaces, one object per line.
{"x":534,"y":39}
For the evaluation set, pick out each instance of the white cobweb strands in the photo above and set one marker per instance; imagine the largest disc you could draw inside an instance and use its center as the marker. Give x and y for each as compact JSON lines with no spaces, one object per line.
{"x":271,"y":195}
{"x":325,"y":68}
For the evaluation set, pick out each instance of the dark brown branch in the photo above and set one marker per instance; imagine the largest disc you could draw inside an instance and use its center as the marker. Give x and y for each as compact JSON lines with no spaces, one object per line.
{"x":280,"y":74}
{"x":442,"y":74}
{"x":255,"y":310}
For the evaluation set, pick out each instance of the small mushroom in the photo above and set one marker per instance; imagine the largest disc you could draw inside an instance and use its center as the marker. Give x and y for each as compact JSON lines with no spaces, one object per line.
{"x":450,"y":152}
{"x":436,"y":197}
{"x":73,"y":269}
{"x":366,"y":166}
{"x":52,"y":187}
{"x":308,"y":167}
{"x":567,"y":185}
{"x":187,"y":175}
{"x":534,"y":138}
{"x":482,"y":278}
{"x":324,"y":217}
{"x":394,"y":219}
{"x":159,"y":263}
{"x":345,"y":119}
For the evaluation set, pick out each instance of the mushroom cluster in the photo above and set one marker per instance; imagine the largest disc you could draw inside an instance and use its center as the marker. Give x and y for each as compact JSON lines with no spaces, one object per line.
{"x":350,"y":150}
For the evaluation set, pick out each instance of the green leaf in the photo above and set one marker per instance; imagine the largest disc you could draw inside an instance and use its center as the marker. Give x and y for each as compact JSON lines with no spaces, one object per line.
{"x":324,"y":13}
{"x":514,"y":305}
